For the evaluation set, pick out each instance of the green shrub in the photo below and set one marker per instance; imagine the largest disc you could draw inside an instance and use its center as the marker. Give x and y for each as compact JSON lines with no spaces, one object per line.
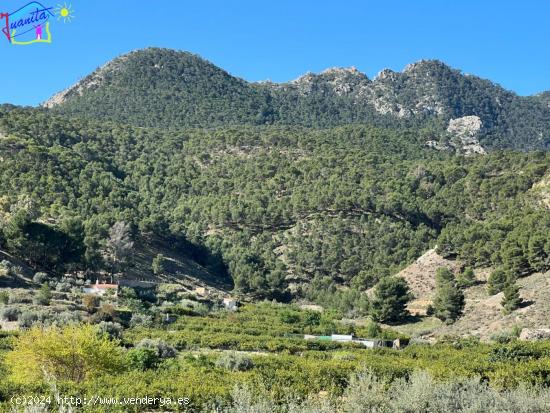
{"x":497,"y":281}
{"x":9,"y":313}
{"x":141,"y":320}
{"x":113,"y":330}
{"x":29,"y":318}
{"x":371,"y":330}
{"x":516,"y":352}
{"x":20,"y":297}
{"x":234,"y":362}
{"x":72,"y":353}
{"x":161,"y":348}
{"x":40,"y":277}
{"x":142,"y":358}
{"x":4,"y":297}
{"x":44,"y":296}
{"x":290,"y":317}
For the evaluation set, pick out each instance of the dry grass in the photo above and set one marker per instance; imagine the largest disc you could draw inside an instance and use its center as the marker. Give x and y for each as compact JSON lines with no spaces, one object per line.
{"x":420,"y":275}
{"x":483,"y":315}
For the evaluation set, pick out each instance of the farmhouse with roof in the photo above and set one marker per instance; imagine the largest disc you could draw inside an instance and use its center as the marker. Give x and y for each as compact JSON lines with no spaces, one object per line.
{"x":101,"y":289}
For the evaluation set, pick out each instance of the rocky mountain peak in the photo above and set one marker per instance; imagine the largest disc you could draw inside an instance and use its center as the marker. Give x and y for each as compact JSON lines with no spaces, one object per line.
{"x":386,"y":74}
{"x":174,"y":88}
{"x":425,"y":65}
{"x":341,"y":71}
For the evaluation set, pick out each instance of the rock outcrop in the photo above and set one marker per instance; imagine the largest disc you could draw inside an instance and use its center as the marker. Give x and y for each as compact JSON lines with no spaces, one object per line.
{"x":466,"y":130}
{"x":532,"y":334}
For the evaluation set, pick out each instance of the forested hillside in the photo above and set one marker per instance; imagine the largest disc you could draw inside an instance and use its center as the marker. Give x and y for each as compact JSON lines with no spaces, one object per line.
{"x":166,"y":88}
{"x":287,"y":212}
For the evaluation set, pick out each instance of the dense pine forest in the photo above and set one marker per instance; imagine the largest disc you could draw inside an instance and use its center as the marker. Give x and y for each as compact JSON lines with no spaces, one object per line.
{"x":270,"y":206}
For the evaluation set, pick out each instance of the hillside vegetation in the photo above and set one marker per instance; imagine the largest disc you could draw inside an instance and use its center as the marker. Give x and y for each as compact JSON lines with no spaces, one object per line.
{"x":214,"y":362}
{"x":285,"y":212}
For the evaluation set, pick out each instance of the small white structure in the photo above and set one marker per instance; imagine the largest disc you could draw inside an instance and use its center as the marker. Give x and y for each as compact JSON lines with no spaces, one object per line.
{"x":230,"y":304}
{"x":101,"y":289}
{"x":368,"y":343}
{"x":340,"y":337}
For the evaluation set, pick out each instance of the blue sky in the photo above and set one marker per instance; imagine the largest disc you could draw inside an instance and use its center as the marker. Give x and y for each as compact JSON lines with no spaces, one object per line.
{"x":505,"y":41}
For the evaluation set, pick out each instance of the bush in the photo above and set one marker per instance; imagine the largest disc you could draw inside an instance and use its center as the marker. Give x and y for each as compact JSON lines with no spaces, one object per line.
{"x":107,"y":312}
{"x":72,"y":353}
{"x":16,"y":270}
{"x":20,"y":297}
{"x":5,"y":269}
{"x":466,"y":278}
{"x":90,"y":302}
{"x":141,"y":320}
{"x":201,"y":309}
{"x":113,"y":330}
{"x":372,"y":330}
{"x":40,"y":300}
{"x":516,"y":352}
{"x":9,"y":314}
{"x":28,"y":318}
{"x":4,"y":297}
{"x":497,"y":281}
{"x":148,"y":354}
{"x":162,"y":348}
{"x":430,"y":310}
{"x":311,"y":318}
{"x":290,"y":317}
{"x":63,"y":287}
{"x":65,"y":318}
{"x":40,"y":277}
{"x":502,"y":337}
{"x":419,"y":393}
{"x":142,"y":358}
{"x":44,"y":296}
{"x":234,"y":362}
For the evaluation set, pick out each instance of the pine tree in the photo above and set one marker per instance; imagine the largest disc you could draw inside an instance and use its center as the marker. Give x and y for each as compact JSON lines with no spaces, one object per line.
{"x":158,"y":264}
{"x":44,"y":296}
{"x":119,"y":246}
{"x":449,"y":300}
{"x":391,"y":296}
{"x":511,"y":300}
{"x":496,"y":281}
{"x":513,"y":258}
{"x":466,"y":278}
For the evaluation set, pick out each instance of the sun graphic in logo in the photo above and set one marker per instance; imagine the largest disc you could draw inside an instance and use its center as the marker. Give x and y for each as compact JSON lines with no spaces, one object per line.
{"x":65,"y":12}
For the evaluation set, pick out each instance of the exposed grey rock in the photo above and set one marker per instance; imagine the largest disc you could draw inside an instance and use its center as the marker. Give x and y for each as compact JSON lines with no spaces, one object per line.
{"x":466,"y":130}
{"x":535,"y":334}
{"x":439,"y":146}
{"x":95,"y":80}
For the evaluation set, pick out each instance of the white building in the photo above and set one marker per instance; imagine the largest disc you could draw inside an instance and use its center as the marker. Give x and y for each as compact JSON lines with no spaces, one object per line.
{"x":341,"y":337}
{"x":230,"y":304}
{"x":101,"y":289}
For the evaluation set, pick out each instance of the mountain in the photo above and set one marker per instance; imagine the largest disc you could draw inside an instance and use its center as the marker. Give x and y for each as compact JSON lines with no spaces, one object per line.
{"x":315,"y":189}
{"x":543,"y":97}
{"x":167,"y":88}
